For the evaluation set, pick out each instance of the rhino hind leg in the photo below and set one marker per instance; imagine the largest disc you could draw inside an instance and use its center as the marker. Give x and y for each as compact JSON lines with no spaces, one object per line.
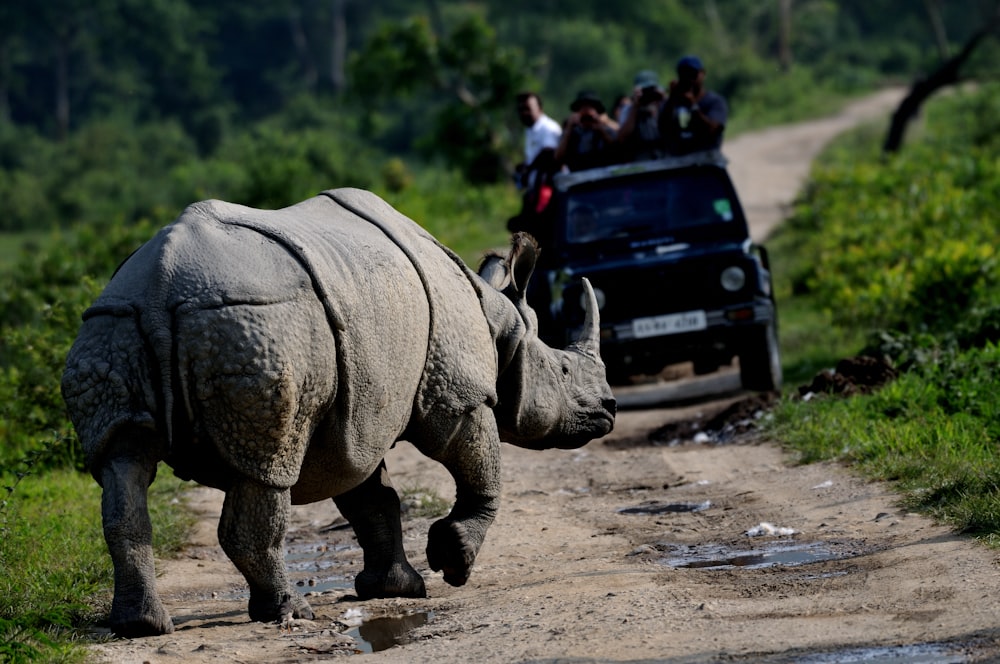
{"x":372,"y":508}
{"x":252,"y":533}
{"x":136,"y":609}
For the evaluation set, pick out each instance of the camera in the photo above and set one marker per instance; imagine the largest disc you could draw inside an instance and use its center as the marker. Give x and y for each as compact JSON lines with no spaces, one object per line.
{"x":683,"y":86}
{"x":649,"y":94}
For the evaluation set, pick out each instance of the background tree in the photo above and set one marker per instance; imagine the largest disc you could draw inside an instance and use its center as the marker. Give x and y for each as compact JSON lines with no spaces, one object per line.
{"x":431,"y":81}
{"x":785,"y":34}
{"x":472,"y":80}
{"x":948,"y":73}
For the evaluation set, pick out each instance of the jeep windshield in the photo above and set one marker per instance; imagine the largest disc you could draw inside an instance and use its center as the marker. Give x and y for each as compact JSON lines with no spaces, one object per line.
{"x":688,"y":205}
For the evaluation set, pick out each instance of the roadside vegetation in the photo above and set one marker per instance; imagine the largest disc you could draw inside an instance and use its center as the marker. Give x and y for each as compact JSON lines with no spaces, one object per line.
{"x":896,"y":258}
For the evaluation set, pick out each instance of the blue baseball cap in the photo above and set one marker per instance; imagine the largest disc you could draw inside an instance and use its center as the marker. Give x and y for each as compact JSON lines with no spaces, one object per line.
{"x":690,"y":62}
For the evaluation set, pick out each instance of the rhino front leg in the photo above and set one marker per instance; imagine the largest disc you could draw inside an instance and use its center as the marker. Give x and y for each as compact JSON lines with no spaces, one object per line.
{"x":373,"y":511}
{"x":252,"y":533}
{"x":136,"y":609}
{"x":472,"y":456}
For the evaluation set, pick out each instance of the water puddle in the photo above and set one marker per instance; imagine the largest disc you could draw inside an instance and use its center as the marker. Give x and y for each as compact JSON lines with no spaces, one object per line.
{"x":377,"y":634}
{"x":656,"y":507}
{"x":311,"y":566}
{"x":771,"y":555}
{"x":921,"y":653}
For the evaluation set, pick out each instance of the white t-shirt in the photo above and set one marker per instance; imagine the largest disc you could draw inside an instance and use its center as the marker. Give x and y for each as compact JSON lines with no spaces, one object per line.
{"x":543,"y":134}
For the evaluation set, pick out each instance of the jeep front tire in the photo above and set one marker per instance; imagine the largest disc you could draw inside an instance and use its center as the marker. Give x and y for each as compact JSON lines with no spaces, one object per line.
{"x":760,"y":359}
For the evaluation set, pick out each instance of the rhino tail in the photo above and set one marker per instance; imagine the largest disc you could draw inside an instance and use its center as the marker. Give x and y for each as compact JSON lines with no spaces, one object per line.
{"x":157,"y":323}
{"x":107,"y":383}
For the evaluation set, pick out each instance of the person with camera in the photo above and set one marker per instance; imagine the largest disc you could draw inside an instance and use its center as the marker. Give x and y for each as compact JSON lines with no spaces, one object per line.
{"x":639,"y":137}
{"x":693,"y":117}
{"x":588,"y":136}
{"x":541,"y":137}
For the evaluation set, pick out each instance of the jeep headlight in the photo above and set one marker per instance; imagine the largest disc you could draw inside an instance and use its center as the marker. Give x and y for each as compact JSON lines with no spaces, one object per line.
{"x":733,"y":278}
{"x":599,"y":294}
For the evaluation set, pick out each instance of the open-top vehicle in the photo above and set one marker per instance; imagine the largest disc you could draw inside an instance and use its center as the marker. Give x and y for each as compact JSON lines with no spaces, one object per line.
{"x":665,"y":244}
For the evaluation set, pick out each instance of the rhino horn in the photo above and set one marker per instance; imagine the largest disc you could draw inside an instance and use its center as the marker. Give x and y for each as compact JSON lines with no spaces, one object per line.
{"x":589,"y":341}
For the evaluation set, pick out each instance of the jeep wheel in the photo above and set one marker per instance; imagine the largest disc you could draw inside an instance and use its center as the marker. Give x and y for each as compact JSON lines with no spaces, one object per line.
{"x":760,"y":361}
{"x":705,"y":365}
{"x":618,"y":376}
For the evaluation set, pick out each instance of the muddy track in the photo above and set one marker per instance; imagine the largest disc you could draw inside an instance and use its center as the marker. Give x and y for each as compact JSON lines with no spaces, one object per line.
{"x":670,"y":540}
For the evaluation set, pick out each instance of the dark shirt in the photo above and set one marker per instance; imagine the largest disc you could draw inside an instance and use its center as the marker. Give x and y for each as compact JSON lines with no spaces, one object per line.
{"x":586,"y":148}
{"x":683,"y":134}
{"x":645,"y":142}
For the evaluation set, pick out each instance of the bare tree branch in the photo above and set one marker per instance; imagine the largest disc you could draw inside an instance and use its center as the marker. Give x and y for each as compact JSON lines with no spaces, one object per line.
{"x":301,"y":42}
{"x":338,"y":47}
{"x":785,"y":34}
{"x":946,"y":74}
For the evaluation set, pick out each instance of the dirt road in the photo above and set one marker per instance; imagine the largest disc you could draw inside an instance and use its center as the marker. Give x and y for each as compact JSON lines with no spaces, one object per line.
{"x":636,"y":548}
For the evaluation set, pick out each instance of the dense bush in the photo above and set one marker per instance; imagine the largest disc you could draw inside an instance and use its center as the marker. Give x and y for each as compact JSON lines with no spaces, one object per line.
{"x":118,"y":172}
{"x":928,"y":232}
{"x":41,"y":302}
{"x":903,"y":250}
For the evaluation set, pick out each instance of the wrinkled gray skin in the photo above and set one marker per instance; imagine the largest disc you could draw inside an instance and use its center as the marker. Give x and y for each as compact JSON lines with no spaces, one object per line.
{"x":277,"y":355}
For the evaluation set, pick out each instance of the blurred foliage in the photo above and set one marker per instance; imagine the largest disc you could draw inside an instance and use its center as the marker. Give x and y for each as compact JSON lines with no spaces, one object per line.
{"x":41,"y":301}
{"x":929,"y":230}
{"x":116,"y":109}
{"x":477,"y":76}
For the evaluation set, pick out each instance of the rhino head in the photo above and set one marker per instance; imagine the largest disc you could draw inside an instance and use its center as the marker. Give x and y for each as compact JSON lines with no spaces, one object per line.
{"x":548,"y":398}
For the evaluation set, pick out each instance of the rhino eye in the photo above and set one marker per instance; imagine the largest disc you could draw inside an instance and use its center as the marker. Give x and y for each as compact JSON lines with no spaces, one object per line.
{"x":565,"y":368}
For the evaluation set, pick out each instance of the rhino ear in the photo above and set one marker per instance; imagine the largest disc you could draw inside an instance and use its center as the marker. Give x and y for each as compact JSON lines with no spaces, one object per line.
{"x":494,"y":270}
{"x":522,"y":259}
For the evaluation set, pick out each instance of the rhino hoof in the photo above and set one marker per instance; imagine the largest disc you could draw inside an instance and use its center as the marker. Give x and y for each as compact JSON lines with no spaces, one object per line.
{"x":134,"y":629}
{"x":450,"y":551}
{"x":292,"y":604}
{"x":398,"y":582}
{"x":151,"y":620}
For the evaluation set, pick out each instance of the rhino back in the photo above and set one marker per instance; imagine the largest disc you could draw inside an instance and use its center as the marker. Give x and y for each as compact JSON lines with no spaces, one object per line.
{"x":462,"y":363}
{"x":289,"y":326}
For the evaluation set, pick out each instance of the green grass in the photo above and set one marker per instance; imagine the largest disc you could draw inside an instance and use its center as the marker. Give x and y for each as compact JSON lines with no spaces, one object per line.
{"x":469,"y":220}
{"x":944,"y":462}
{"x":55,"y":571}
{"x":921,"y":226}
{"x":809,"y":341}
{"x":421,"y":502}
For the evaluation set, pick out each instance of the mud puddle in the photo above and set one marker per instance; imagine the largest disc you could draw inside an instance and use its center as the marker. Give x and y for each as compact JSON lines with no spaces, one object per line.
{"x":315,"y":567}
{"x":382,"y":633}
{"x":656,"y":507}
{"x":771,"y":554}
{"x":921,"y":653}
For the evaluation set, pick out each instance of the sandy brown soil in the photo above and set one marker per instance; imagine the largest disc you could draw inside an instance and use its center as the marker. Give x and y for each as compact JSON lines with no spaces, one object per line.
{"x":633,"y":548}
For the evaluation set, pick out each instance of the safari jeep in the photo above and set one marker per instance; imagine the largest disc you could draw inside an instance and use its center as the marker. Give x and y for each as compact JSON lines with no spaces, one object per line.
{"x":665,"y":245}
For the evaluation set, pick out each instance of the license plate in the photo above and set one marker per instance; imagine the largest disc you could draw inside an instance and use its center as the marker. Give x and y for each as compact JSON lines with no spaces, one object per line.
{"x":656,"y":326}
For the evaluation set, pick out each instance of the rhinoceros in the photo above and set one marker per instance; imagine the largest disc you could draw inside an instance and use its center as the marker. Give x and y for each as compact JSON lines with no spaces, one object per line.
{"x":277,"y":355}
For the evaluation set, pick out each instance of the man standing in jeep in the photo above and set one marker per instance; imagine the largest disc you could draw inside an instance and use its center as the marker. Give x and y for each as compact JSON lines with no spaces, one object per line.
{"x":693,"y":117}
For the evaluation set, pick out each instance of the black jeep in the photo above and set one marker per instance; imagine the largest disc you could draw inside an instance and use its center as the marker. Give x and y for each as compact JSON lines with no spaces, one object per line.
{"x":666,"y":246}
